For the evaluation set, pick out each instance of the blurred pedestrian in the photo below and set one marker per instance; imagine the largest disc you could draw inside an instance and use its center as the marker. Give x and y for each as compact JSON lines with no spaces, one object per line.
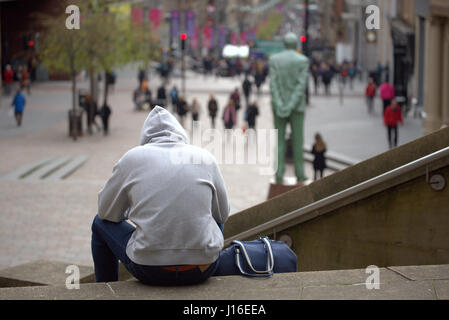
{"x":182,"y":109}
{"x":212,"y":107}
{"x":370,"y":93}
{"x":235,"y":97}
{"x":326,"y":78}
{"x":91,"y":109}
{"x":141,"y":75}
{"x":351,"y":74}
{"x":315,"y":75}
{"x":319,"y":161}
{"x":174,"y":94}
{"x":393,"y":115}
{"x":111,"y":79}
{"x":19,"y":103}
{"x":238,"y":67}
{"x":387,"y":93}
{"x":251,"y":114}
{"x":195,"y":109}
{"x":105,"y":112}
{"x":161,"y":96}
{"x":344,"y":73}
{"x":8,"y":75}
{"x":147,"y":99}
{"x":258,"y":79}
{"x":138,"y":98}
{"x":246,"y":86}
{"x":229,"y":115}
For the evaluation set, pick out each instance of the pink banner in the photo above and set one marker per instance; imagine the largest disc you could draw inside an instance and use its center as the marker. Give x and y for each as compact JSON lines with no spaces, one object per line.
{"x":242,"y":38}
{"x":137,"y":15}
{"x":194,"y":40}
{"x":234,"y":39}
{"x":207,"y":37}
{"x":155,"y":16}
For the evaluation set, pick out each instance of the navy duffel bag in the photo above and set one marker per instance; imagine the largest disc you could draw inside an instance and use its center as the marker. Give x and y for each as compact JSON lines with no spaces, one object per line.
{"x":257,"y":258}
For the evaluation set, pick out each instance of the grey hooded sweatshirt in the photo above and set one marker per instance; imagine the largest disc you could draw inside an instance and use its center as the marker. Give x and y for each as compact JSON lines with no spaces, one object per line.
{"x":175,"y":205}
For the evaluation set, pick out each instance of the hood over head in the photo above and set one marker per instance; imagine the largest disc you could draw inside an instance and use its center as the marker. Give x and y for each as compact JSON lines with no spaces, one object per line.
{"x":160,"y":127}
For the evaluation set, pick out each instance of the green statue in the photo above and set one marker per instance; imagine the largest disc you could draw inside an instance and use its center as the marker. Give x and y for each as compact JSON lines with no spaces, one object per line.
{"x":288,"y":82}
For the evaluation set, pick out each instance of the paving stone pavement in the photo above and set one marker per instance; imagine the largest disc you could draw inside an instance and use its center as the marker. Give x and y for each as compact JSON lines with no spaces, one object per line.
{"x":51,"y":219}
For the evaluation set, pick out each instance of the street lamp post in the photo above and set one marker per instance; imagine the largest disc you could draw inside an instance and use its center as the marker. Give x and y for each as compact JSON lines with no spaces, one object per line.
{"x":306,"y":42}
{"x":183,"y":40}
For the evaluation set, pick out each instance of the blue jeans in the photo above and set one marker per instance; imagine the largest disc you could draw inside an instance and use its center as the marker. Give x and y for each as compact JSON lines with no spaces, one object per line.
{"x":109,"y":240}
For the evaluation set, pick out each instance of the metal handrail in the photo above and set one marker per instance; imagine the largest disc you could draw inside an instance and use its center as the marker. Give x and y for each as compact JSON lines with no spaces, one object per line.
{"x":341,"y":194}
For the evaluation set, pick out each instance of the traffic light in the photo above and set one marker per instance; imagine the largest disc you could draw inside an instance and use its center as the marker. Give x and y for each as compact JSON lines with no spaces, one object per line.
{"x":303,"y":39}
{"x":183,"y":38}
{"x":28,"y":42}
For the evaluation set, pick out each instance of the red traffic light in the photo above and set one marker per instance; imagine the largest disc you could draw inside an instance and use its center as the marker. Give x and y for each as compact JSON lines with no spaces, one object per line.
{"x":183,"y":36}
{"x":31,"y":43}
{"x":303,"y":39}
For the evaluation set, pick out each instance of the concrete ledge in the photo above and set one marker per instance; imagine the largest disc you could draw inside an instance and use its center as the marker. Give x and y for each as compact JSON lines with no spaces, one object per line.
{"x":341,"y":284}
{"x":43,"y":273}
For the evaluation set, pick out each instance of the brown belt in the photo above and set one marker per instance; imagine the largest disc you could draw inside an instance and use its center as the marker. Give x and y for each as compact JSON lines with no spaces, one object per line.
{"x":202,"y":267}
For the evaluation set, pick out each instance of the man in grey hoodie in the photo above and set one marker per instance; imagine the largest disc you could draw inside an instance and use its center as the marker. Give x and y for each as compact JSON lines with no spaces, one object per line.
{"x":177,"y":204}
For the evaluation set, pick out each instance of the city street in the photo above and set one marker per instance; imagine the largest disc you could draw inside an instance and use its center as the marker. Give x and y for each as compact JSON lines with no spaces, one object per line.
{"x":51,"y":219}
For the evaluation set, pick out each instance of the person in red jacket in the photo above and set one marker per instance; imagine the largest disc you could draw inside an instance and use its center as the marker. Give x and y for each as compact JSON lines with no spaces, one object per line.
{"x":370,"y":93}
{"x":393,"y":115}
{"x":387,"y":93}
{"x":8,"y":76}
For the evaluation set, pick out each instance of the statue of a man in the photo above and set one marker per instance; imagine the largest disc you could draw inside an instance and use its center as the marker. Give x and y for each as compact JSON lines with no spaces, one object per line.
{"x":288,"y":81}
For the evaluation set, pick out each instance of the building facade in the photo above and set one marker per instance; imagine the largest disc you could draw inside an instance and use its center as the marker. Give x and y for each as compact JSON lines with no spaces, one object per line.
{"x":432,"y":59}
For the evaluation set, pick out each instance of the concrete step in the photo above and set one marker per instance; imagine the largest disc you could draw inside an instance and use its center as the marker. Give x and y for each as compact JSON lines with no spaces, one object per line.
{"x":41,"y":273}
{"x":410,"y":282}
{"x":44,"y":273}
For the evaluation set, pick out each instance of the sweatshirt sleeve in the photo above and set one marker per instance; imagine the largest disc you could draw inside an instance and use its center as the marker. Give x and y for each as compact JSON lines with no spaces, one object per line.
{"x":113,"y":201}
{"x":220,"y":205}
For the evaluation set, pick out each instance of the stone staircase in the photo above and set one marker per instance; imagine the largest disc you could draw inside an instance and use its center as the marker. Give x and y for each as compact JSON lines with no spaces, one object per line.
{"x":45,"y":280}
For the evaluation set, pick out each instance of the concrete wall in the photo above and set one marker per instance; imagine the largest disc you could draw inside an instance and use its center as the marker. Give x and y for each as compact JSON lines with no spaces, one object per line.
{"x":399,"y":222}
{"x":404,"y":225}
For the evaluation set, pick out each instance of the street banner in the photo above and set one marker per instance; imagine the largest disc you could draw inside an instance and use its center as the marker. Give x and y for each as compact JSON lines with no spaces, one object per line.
{"x":194,"y":40}
{"x":123,"y":10}
{"x":234,"y":38}
{"x":174,"y":23}
{"x":242,"y":38}
{"x":190,"y":23}
{"x":250,"y":35}
{"x":221,"y":37}
{"x":213,"y":35}
{"x":155,"y":18}
{"x":207,"y":37}
{"x":137,"y":15}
